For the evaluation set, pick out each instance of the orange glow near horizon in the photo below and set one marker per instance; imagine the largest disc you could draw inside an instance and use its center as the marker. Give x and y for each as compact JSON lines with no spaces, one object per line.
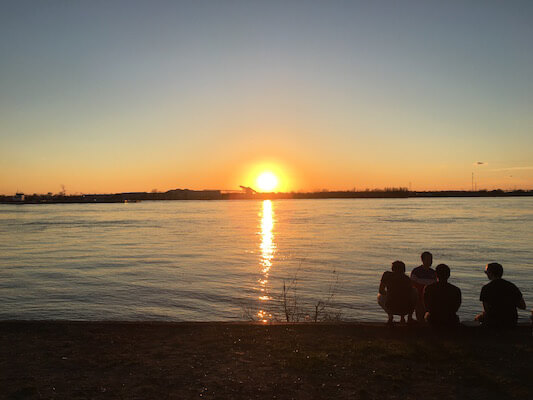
{"x":293,"y":174}
{"x":267,"y":177}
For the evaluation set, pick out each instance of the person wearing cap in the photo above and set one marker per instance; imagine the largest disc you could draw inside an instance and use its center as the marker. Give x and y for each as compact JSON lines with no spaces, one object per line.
{"x":442,"y":300}
{"x":396,"y":295}
{"x":500,"y":299}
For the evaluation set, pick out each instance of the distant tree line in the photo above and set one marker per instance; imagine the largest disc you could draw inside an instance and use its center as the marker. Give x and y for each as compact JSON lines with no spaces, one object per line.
{"x":187,"y":194}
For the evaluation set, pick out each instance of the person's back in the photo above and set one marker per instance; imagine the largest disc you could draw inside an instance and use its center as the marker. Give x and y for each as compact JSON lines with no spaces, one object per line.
{"x":399,"y":292}
{"x":396,"y":295}
{"x":500,"y":299}
{"x":442,"y":299}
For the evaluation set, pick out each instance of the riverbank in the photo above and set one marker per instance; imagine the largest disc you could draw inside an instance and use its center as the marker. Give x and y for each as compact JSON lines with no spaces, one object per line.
{"x":244,"y":360}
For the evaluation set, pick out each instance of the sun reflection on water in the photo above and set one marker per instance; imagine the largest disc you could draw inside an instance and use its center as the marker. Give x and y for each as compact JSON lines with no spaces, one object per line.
{"x":268,"y":248}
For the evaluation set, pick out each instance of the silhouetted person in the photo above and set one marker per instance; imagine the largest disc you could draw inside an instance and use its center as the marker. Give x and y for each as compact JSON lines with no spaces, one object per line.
{"x":442,"y":300}
{"x":500,"y":299}
{"x":421,"y":277}
{"x":396,"y":294}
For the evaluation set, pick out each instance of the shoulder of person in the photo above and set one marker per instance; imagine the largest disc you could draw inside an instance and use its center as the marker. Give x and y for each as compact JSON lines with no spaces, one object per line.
{"x":488,"y":285}
{"x":456,"y":288}
{"x":508,"y":283}
{"x":416,"y":270}
{"x":512,"y":286}
{"x":386,"y":274}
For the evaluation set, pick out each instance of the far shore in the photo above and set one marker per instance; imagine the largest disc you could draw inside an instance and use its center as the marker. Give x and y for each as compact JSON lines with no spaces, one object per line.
{"x":250,"y":194}
{"x":239,"y":360}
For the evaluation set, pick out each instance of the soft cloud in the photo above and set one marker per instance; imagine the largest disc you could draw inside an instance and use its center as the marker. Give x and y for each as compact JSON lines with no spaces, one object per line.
{"x":513,"y":169}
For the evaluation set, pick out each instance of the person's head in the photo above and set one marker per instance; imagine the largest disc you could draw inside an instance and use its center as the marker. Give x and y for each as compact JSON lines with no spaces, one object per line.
{"x":443,"y":272}
{"x":494,"y":271}
{"x":398,"y":267}
{"x":427,"y":259}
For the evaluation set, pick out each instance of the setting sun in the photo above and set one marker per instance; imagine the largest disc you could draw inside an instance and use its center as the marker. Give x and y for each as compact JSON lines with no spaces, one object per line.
{"x":267,"y":182}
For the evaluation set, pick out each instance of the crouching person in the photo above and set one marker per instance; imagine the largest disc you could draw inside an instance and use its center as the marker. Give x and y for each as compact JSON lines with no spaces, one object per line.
{"x":396,"y":294}
{"x":442,"y":300}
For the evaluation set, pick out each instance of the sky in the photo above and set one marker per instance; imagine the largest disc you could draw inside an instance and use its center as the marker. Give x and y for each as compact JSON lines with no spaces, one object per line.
{"x":120,"y":96}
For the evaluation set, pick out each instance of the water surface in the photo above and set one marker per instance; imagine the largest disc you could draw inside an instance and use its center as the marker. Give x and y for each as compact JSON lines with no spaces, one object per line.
{"x":227,"y":260}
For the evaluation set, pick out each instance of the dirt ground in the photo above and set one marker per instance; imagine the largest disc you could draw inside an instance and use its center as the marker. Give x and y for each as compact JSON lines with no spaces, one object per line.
{"x":113,"y":360}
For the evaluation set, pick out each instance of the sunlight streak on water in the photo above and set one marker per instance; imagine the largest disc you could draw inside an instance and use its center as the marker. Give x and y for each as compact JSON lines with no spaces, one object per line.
{"x":268,"y":248}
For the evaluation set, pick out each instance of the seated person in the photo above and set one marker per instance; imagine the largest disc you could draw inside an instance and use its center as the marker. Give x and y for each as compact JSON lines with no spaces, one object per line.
{"x":421,"y":277}
{"x":500,"y":299}
{"x":396,"y":294}
{"x":442,"y":300}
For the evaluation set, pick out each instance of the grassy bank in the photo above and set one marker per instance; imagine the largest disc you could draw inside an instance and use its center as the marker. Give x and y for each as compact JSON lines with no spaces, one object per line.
{"x":301,"y":361}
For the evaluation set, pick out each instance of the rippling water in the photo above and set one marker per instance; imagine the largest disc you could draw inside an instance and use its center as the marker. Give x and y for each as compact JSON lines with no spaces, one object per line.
{"x":227,"y":260}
